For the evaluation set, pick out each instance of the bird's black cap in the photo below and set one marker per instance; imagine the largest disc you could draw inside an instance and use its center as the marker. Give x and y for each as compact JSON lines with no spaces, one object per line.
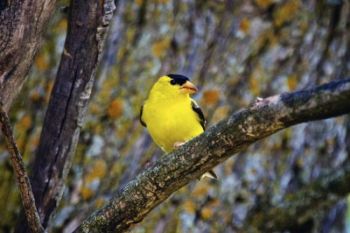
{"x":178,"y":79}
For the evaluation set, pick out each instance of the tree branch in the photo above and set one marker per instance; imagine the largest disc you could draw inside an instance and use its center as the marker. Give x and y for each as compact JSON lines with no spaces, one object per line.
{"x":28,"y":200}
{"x":87,"y":27}
{"x":21,"y":25}
{"x":132,"y":203}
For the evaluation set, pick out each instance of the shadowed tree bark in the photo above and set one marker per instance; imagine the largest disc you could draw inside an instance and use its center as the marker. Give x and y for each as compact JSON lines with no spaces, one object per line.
{"x":88,"y":23}
{"x":156,"y":184}
{"x":21,"y":26}
{"x":27,"y":196}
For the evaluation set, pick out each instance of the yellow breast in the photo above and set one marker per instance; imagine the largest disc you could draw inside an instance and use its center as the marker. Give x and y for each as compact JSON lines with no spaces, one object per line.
{"x":169,"y":122}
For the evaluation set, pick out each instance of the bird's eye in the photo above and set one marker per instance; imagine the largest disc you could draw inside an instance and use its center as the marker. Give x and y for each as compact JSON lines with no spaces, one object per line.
{"x":172,"y":82}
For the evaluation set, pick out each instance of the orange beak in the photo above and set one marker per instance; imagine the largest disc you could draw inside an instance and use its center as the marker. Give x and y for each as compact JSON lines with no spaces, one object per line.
{"x":189,"y":88}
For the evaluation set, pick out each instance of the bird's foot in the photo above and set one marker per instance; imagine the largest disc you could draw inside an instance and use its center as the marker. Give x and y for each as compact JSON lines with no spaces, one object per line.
{"x":178,"y":144}
{"x":147,"y":164}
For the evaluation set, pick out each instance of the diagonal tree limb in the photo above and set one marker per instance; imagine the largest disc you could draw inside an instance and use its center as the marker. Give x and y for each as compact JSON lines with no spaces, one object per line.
{"x":132,"y":203}
{"x":28,"y":200}
{"x":87,"y":27}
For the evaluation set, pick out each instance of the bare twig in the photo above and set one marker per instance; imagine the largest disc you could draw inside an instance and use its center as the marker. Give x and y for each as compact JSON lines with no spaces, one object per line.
{"x":28,"y":200}
{"x":218,"y":143}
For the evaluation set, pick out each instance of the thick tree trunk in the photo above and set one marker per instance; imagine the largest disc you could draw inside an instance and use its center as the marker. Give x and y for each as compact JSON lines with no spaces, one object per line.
{"x":88,"y":23}
{"x":21,"y":26}
{"x":218,"y":143}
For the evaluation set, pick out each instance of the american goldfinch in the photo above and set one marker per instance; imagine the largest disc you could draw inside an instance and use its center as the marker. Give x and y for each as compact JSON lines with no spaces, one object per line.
{"x":171,"y":116}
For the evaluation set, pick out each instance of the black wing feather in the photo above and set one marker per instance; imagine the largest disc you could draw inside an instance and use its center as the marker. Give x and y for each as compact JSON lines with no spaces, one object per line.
{"x":200,"y":114}
{"x":140,"y":118}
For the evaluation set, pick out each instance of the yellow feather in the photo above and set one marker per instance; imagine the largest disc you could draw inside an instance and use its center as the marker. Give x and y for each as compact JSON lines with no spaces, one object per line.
{"x":169,"y":116}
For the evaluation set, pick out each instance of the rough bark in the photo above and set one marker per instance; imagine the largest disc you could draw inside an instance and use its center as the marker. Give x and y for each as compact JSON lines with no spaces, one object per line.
{"x":295,"y":209}
{"x":28,"y":200}
{"x":88,"y":23}
{"x":153,"y":186}
{"x":21,"y":27}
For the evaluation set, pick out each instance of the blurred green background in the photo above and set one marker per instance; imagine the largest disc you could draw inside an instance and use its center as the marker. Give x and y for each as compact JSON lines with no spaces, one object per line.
{"x":234,"y":51}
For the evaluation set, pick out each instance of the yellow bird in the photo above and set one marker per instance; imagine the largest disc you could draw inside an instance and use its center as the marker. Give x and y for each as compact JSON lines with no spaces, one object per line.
{"x":171,"y":116}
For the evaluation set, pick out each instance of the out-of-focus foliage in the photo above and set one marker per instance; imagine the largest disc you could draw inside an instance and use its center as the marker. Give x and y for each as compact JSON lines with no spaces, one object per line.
{"x":234,"y":51}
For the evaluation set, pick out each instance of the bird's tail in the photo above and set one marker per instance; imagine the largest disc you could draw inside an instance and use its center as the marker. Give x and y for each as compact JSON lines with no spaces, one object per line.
{"x":210,"y":174}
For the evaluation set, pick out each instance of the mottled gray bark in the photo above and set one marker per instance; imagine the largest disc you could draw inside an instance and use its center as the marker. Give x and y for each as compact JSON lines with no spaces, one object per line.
{"x":132,"y":203}
{"x":295,"y":209}
{"x":21,"y":27}
{"x":88,"y":23}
